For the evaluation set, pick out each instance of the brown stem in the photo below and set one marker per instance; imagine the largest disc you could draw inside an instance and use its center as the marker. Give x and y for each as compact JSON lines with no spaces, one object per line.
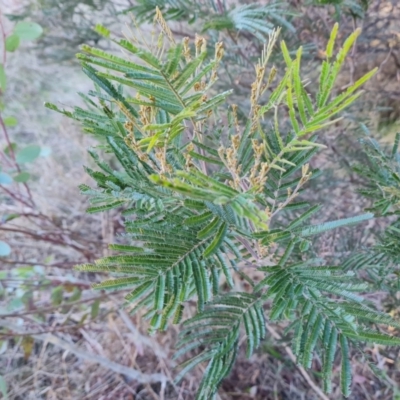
{"x":15,"y":197}
{"x":183,"y":34}
{"x":10,"y":149}
{"x":51,"y":330}
{"x":5,"y":158}
{"x":46,"y":238}
{"x":55,"y":265}
{"x":53,"y":308}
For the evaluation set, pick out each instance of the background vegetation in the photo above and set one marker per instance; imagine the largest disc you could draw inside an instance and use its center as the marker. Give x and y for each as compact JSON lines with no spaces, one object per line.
{"x":58,"y":337}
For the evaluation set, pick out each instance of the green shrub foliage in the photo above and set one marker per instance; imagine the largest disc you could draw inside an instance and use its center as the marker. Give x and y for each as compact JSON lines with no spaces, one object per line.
{"x":382,"y":187}
{"x":205,"y":194}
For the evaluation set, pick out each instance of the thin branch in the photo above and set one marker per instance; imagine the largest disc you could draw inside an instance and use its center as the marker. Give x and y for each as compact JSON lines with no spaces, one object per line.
{"x":15,"y":197}
{"x":65,"y":264}
{"x":10,"y":148}
{"x":52,"y":308}
{"x":44,"y":238}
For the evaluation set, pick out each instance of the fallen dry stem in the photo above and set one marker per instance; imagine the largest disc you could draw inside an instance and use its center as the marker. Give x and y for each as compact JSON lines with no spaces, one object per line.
{"x":93,"y":358}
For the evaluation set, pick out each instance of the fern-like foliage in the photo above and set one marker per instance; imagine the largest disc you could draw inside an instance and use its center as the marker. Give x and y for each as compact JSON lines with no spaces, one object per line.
{"x":355,"y":8}
{"x":382,"y":187}
{"x":301,"y":292}
{"x":382,"y":177}
{"x":255,"y":19}
{"x":217,"y":329}
{"x":201,"y":191}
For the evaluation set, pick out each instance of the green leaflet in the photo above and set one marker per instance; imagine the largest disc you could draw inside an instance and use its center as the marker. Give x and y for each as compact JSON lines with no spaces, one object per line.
{"x":115,"y":283}
{"x":329,"y":357}
{"x":139,"y":291}
{"x":331,"y":42}
{"x":198,"y":219}
{"x":209,"y":229}
{"x":285,"y":53}
{"x":194,"y":205}
{"x":197,"y":78}
{"x":174,"y":57}
{"x":159,"y":293}
{"x":186,"y":367}
{"x":364,"y":335}
{"x":115,"y":60}
{"x":188,"y":71}
{"x":145,"y":55}
{"x":115,"y":204}
{"x":308,"y":214}
{"x":106,"y":86}
{"x":345,"y":372}
{"x":217,"y":241}
{"x":225,"y":268}
{"x":318,"y":229}
{"x":120,"y":65}
{"x":204,"y":158}
{"x":312,"y":341}
{"x":125,"y":248}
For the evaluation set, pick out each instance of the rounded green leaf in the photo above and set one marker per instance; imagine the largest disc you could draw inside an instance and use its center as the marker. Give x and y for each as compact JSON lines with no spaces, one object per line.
{"x":28,"y":154}
{"x":304,"y":245}
{"x":45,"y":151}
{"x":94,"y":311}
{"x":57,"y":295}
{"x":12,"y":42}
{"x":5,"y":249}
{"x":28,"y":30}
{"x":3,"y":386}
{"x":22,"y":177}
{"x":5,"y":179}
{"x":24,"y":272}
{"x":10,"y":121}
